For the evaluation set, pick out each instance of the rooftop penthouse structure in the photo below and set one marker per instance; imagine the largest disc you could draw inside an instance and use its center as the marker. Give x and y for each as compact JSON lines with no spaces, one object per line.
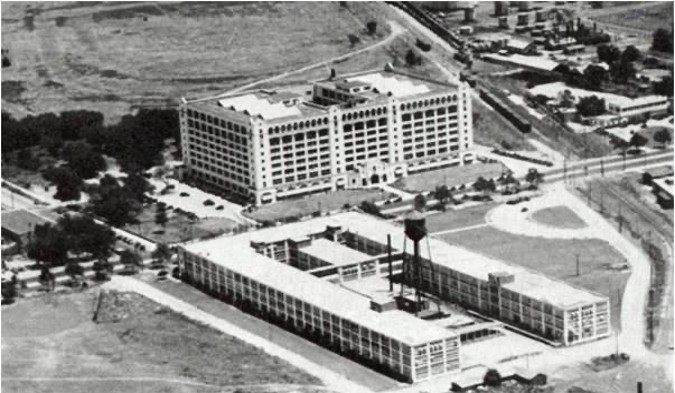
{"x":300,"y":275}
{"x":339,"y":133}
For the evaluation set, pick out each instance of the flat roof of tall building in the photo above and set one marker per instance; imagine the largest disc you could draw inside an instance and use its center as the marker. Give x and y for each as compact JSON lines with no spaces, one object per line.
{"x":527,"y":282}
{"x":294,"y":101}
{"x":334,"y":253}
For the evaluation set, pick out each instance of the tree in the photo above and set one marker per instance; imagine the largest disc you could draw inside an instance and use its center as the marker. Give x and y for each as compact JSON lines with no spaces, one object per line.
{"x":534,"y":177}
{"x":372,"y":27}
{"x":492,"y":378}
{"x":663,"y":41}
{"x":83,"y":160}
{"x":102,"y":268}
{"x":47,"y":278}
{"x":68,"y":183}
{"x":631,"y":53}
{"x":48,"y":244}
{"x":74,"y":270}
{"x":594,"y":76}
{"x":420,"y":202}
{"x":160,"y":215}
{"x":26,"y":160}
{"x":608,"y":53}
{"x":131,"y":260}
{"x":117,"y":207}
{"x":137,"y":186}
{"x":622,"y":71}
{"x":664,"y":87}
{"x":9,"y":290}
{"x":591,"y":106}
{"x":663,"y":136}
{"x":87,"y":236}
{"x":480,"y":185}
{"x":162,"y":253}
{"x":353,"y":39}
{"x":443,"y":195}
{"x":411,"y":59}
{"x":637,"y":141}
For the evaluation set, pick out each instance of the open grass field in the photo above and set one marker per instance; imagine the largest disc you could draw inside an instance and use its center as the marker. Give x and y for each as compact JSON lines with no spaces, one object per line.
{"x":552,"y":257}
{"x":452,"y":176}
{"x":112,"y":57}
{"x":55,"y":347}
{"x":393,"y":52}
{"x":179,"y":228}
{"x":558,"y":217}
{"x":319,"y":202}
{"x":660,"y":16}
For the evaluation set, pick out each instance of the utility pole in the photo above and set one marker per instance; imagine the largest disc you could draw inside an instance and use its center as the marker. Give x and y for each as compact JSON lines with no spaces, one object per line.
{"x":391,"y":278}
{"x":589,"y":192}
{"x":578,"y":265}
{"x":602,"y":203}
{"x":602,"y":167}
{"x":620,"y":219}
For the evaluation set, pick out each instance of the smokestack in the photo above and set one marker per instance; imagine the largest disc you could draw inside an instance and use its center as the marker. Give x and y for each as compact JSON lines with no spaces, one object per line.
{"x":639,"y":387}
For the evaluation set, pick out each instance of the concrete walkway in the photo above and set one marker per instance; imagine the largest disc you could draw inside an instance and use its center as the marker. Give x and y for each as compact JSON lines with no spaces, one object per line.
{"x":331,"y":379}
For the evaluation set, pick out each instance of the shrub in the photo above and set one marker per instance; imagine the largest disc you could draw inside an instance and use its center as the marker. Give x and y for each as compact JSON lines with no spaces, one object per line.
{"x":209,"y":202}
{"x":220,"y":207}
{"x":492,"y":378}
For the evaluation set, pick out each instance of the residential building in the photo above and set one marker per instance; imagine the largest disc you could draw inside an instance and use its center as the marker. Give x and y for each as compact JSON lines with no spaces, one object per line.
{"x":353,"y":131}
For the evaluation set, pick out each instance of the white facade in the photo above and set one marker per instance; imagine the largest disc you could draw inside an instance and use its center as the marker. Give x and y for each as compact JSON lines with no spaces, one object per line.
{"x":266,"y":145}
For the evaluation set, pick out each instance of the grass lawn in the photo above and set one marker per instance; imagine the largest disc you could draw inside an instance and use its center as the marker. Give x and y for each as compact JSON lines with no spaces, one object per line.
{"x":179,"y":228}
{"x":492,"y":129}
{"x":652,"y":18}
{"x":460,"y":218}
{"x":555,"y":258}
{"x":452,"y":176}
{"x":312,"y":203}
{"x":58,"y":340}
{"x":559,"y":217}
{"x":115,"y":57}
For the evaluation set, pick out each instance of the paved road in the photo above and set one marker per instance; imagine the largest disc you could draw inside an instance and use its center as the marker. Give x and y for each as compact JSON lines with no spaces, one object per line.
{"x":661,"y":229}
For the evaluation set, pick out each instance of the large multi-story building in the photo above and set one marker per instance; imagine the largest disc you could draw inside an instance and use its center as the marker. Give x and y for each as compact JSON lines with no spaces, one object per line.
{"x":353,"y":131}
{"x":302,"y":276}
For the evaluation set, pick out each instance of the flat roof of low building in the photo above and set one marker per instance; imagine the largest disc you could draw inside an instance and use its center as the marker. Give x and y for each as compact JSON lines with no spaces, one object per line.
{"x":553,"y":89}
{"x":535,"y":62}
{"x":527,"y":282}
{"x":661,"y":171}
{"x":666,"y":185}
{"x":334,"y":253}
{"x":239,"y":257}
{"x":22,"y":221}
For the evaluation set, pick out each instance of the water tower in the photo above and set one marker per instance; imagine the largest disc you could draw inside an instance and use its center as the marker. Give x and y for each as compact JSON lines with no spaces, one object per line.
{"x":416,"y":230}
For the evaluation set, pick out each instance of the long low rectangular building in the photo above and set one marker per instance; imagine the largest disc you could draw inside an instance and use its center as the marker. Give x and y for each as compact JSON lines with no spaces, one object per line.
{"x":410,"y":348}
{"x":268,"y":270}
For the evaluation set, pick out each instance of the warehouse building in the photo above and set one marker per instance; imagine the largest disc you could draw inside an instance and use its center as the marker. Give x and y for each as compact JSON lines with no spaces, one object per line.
{"x":299,"y":273}
{"x":348,"y":132}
